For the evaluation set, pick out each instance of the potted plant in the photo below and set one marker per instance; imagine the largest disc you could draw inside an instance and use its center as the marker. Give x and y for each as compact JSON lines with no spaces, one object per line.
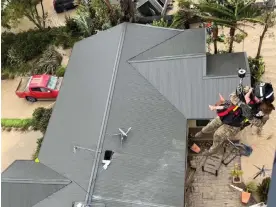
{"x":236,"y":174}
{"x":251,"y":187}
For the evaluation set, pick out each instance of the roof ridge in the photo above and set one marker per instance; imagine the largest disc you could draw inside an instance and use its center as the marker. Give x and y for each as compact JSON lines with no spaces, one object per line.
{"x":38,"y":181}
{"x":162,"y":58}
{"x":105,"y":117}
{"x":154,"y":46}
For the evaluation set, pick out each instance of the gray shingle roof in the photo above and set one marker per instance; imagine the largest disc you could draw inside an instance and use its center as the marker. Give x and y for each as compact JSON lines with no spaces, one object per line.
{"x":137,"y":76}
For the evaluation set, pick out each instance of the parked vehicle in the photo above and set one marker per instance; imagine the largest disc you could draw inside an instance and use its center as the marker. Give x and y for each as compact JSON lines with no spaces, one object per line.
{"x":39,"y":87}
{"x":63,"y":5}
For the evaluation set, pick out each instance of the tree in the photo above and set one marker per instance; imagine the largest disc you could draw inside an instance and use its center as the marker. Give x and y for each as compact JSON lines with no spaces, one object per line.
{"x":231,"y":13}
{"x":17,"y":9}
{"x":182,"y":18}
{"x":268,"y":21}
{"x":128,"y":10}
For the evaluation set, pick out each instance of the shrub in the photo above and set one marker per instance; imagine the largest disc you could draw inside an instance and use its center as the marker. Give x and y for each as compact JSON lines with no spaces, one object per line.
{"x":251,"y":187}
{"x":20,"y":48}
{"x":72,"y":27}
{"x":5,"y":75}
{"x":263,"y":189}
{"x":16,"y":123}
{"x":41,"y":117}
{"x":38,"y":146}
{"x":60,"y":71}
{"x":160,"y":23}
{"x":49,"y":62}
{"x":257,"y":68}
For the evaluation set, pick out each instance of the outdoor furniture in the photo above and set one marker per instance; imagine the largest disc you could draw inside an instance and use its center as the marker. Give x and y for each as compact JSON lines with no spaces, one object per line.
{"x":213,"y":162}
{"x":237,"y":150}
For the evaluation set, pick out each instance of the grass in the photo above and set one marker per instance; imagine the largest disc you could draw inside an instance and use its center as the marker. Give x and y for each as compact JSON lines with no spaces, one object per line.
{"x":16,"y":123}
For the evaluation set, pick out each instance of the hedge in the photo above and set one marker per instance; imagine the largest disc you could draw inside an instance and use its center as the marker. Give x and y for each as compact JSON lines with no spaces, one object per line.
{"x":16,"y":123}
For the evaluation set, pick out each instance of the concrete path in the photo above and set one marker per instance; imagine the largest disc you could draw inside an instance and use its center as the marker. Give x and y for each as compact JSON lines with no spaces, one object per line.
{"x":18,"y":146}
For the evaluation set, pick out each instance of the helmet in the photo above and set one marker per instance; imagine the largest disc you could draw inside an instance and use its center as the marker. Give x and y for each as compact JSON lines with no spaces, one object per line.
{"x":264,"y":92}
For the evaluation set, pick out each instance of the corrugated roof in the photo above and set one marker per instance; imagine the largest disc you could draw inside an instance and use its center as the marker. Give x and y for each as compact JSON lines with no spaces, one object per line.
{"x":105,"y":88}
{"x":190,"y":41}
{"x":226,"y":64}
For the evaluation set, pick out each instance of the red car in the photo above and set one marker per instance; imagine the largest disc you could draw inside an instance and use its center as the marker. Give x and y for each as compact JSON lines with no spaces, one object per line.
{"x":39,"y":87}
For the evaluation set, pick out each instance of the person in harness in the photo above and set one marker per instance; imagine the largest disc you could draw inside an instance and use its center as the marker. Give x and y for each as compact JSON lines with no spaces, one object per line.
{"x":235,"y":114}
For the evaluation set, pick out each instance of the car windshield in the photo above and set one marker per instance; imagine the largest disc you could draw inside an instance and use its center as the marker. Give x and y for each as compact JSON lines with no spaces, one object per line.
{"x":52,"y":82}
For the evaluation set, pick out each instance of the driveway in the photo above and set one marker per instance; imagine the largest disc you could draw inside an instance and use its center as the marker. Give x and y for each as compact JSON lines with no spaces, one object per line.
{"x":18,"y":146}
{"x":14,"y":107}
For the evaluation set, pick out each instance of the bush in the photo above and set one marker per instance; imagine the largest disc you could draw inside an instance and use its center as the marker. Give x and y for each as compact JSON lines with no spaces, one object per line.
{"x":60,"y":71}
{"x":16,"y":123}
{"x":263,"y":189}
{"x":257,"y":68}
{"x":160,"y":23}
{"x":5,"y":75}
{"x":18,"y":49}
{"x":41,"y":117}
{"x":49,"y":62}
{"x":38,"y":146}
{"x":251,"y":187}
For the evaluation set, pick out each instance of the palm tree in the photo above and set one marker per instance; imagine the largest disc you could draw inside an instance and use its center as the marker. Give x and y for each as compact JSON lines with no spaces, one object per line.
{"x":232,"y":13}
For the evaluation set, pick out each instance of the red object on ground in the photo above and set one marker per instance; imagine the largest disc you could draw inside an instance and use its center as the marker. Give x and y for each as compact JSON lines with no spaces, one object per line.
{"x":38,"y":87}
{"x":195,"y":148}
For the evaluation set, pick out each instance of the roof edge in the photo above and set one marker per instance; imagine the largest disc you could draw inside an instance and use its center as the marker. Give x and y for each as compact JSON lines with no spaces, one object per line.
{"x":39,"y":181}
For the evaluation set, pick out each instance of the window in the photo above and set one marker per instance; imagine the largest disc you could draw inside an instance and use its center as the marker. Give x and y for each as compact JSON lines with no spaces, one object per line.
{"x":36,"y":89}
{"x":108,"y":155}
{"x":44,"y":89}
{"x":52,"y":82}
{"x":203,"y":122}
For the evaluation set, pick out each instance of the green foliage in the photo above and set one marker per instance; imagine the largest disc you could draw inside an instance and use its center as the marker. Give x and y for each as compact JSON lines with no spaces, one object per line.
{"x":5,"y":75}
{"x":41,"y":117}
{"x":16,"y":123}
{"x":19,"y":49}
{"x":240,"y":37}
{"x":232,"y":14}
{"x":182,"y":18}
{"x":17,"y":9}
{"x":38,"y":146}
{"x":23,"y":46}
{"x":49,"y":62}
{"x":160,"y":23}
{"x":60,"y":71}
{"x":257,"y":68}
{"x":96,"y":16}
{"x":251,"y":187}
{"x":263,"y":189}
{"x":236,"y":172}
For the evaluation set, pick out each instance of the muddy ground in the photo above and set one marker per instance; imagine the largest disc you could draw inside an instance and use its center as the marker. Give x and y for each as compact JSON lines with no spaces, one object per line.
{"x":14,"y":107}
{"x":18,"y":146}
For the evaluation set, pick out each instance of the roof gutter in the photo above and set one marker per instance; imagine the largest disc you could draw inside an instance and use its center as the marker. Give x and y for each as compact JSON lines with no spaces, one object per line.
{"x":88,"y":197}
